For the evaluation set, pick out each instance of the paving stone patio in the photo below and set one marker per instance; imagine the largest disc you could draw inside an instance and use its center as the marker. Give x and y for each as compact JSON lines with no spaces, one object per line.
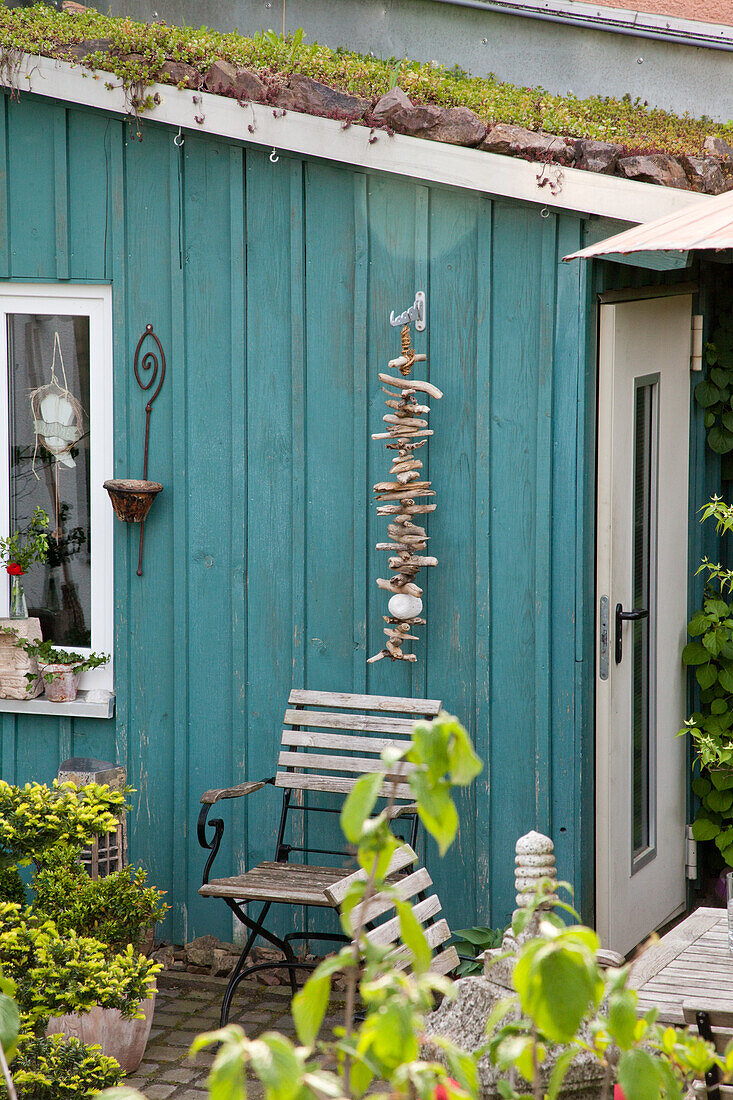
{"x":184,"y":1009}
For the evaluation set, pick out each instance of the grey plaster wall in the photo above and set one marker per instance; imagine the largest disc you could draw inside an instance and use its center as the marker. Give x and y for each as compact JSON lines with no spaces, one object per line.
{"x":522,"y":50}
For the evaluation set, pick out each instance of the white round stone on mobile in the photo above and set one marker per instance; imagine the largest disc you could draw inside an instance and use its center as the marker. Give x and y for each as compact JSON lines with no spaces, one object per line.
{"x":402,"y":606}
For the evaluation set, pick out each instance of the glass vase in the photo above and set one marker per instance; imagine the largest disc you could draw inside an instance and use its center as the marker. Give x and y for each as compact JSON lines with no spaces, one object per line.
{"x":18,"y":607}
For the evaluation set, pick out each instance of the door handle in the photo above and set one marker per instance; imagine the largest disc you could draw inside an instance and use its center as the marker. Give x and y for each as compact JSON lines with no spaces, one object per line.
{"x":622,"y":616}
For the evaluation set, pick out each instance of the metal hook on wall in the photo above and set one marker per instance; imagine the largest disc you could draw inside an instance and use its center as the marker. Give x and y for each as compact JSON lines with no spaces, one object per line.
{"x":274,"y":158}
{"x":179,"y":139}
{"x":416,"y":313}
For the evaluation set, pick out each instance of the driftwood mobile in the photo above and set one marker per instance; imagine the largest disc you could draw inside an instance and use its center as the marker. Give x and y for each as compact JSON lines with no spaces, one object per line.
{"x":406,"y":428}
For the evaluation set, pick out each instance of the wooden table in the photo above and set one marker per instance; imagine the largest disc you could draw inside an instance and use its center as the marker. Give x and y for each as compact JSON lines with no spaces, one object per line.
{"x":690,"y":963}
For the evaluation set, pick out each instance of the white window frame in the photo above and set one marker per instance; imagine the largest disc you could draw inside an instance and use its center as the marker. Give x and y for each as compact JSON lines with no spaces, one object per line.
{"x":94,"y":302}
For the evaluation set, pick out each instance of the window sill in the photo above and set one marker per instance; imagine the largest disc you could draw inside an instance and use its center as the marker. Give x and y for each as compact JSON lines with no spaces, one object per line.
{"x":80,"y":708}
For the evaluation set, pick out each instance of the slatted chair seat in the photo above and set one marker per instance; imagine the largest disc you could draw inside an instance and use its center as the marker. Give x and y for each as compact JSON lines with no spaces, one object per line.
{"x":287,"y":882}
{"x":328,"y":740}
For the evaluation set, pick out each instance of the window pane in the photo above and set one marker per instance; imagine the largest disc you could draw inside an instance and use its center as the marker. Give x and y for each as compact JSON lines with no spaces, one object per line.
{"x":59,"y":591}
{"x":644,"y":538}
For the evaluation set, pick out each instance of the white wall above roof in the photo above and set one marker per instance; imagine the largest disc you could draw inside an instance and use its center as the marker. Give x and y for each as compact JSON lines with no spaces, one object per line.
{"x":308,"y":135}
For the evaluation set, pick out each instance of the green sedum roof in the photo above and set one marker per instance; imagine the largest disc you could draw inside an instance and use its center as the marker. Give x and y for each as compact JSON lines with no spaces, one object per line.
{"x":41,"y":30}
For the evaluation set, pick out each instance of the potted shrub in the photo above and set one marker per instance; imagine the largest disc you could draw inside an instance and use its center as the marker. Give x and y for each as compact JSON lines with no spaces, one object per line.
{"x":60,"y":669}
{"x":71,"y":985}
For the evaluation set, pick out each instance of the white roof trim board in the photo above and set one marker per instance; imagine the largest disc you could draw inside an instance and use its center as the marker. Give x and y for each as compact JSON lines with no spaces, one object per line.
{"x":416,"y":158}
{"x":694,"y":227}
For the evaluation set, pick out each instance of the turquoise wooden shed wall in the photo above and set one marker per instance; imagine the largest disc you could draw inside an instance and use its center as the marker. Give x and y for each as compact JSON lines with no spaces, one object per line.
{"x":270,"y":286}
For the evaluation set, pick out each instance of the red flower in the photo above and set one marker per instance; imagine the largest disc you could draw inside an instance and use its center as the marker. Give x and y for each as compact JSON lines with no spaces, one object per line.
{"x":618,"y":1093}
{"x":441,"y":1092}
{"x":14,"y":569}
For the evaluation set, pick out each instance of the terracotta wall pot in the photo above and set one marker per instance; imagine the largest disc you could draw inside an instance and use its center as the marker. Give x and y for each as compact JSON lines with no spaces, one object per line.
{"x":118,"y":1037}
{"x":132,"y":499}
{"x":63,"y":687}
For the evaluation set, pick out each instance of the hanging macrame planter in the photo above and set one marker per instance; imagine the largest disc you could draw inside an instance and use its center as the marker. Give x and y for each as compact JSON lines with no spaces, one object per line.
{"x":133,"y":499}
{"x":58,"y":424}
{"x":407,"y":432}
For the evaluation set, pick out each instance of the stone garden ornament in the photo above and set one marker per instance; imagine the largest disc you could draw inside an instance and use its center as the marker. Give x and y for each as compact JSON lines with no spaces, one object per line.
{"x":407,"y":431}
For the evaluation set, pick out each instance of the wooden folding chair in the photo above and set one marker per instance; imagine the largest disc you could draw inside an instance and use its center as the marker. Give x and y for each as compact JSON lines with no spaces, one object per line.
{"x":328,"y":740}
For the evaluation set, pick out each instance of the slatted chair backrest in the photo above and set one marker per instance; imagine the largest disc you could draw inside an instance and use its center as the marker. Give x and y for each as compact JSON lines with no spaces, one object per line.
{"x":322,"y":729}
{"x":715,"y":1025}
{"x":380,"y":908}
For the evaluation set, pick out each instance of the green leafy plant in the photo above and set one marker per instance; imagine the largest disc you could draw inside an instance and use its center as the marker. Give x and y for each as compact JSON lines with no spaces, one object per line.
{"x":24,"y":548}
{"x":116,"y":910}
{"x":715,"y":392}
{"x":9,"y":1031}
{"x":472,"y":942}
{"x":57,"y":1068}
{"x":56,"y":974}
{"x":37,"y":817}
{"x":11,"y":886}
{"x":710,"y":654}
{"x":566,"y":1005}
{"x":46,"y":654}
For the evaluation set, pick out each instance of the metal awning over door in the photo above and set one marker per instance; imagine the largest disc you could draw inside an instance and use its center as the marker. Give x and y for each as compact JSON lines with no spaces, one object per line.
{"x":700,"y":226}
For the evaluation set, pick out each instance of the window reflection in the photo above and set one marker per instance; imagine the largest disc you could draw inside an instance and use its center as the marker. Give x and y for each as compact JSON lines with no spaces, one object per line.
{"x":59,"y":591}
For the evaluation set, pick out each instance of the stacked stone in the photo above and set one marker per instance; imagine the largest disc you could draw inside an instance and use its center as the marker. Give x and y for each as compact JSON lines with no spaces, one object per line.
{"x":406,"y":433}
{"x":534,"y":861}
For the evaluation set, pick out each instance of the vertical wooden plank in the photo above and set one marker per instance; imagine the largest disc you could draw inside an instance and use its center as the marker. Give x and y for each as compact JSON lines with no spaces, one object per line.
{"x":298,"y":450}
{"x":115,"y":264}
{"x":32,"y":209}
{"x":65,"y":735}
{"x":392,"y":212}
{"x":238,"y":547}
{"x":421,"y":343}
{"x":450,"y":610}
{"x":514,"y":353}
{"x":330,"y":467}
{"x":585,"y":586}
{"x":178,"y":379}
{"x":361,"y":495}
{"x":297,"y":415}
{"x":90,"y":139}
{"x":482,"y":537}
{"x":61,"y":192}
{"x":543,"y":497}
{"x":269,"y":482}
{"x":208,"y":326}
{"x":5,"y":243}
{"x":155,"y":647}
{"x":567,"y":550}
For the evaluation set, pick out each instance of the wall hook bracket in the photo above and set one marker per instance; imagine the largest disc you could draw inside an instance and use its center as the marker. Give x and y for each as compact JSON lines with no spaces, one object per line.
{"x":132,"y":499}
{"x":416,"y":314}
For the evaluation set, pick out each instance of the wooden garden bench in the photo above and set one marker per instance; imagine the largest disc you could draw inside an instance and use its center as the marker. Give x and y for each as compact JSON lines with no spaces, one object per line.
{"x":329,"y":739}
{"x":716,"y":1026}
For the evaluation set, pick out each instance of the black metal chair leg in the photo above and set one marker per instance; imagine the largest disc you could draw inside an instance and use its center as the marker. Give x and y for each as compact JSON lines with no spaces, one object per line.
{"x":234,"y":976}
{"x":256,"y":929}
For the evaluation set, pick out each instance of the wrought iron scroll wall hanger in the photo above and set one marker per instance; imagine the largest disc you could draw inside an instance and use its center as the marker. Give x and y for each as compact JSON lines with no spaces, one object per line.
{"x":132,"y":499}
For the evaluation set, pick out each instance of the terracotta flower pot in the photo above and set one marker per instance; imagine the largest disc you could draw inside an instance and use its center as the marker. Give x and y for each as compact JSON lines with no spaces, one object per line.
{"x":65,"y":683}
{"x":132,"y":499}
{"x":118,"y":1036}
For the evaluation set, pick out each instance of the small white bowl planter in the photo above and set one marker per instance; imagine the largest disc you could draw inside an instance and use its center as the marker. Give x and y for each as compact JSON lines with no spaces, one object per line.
{"x":117,"y":1035}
